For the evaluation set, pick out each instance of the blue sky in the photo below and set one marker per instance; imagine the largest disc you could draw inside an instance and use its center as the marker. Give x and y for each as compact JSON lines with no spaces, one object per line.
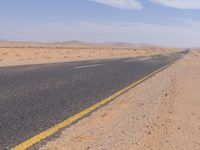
{"x":163,"y":22}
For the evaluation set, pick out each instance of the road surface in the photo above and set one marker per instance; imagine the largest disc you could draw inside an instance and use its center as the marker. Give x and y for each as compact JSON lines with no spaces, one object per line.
{"x":34,"y":98}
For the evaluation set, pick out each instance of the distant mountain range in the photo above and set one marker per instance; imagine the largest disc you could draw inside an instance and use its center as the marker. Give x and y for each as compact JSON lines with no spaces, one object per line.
{"x":74,"y":43}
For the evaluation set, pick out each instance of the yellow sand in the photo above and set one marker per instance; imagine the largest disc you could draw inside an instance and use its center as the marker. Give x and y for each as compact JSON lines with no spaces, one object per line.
{"x":23,"y":56}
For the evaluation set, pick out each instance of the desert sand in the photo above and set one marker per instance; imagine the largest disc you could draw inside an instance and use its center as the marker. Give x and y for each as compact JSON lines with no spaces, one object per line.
{"x":161,"y":113}
{"x":39,"y":55}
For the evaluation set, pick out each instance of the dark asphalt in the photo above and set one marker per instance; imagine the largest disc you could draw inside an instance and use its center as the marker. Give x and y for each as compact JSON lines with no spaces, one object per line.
{"x":34,"y":98}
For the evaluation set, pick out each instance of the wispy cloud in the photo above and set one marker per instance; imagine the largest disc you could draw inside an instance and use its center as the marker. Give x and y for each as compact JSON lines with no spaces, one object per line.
{"x":122,"y":4}
{"x":180,"y":4}
{"x":137,"y":4}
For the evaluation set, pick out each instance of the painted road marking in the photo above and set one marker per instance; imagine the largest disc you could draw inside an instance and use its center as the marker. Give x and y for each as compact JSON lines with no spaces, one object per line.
{"x":88,"y":66}
{"x":118,"y":58}
{"x":130,"y":60}
{"x":43,"y":135}
{"x":140,"y":59}
{"x":96,"y":61}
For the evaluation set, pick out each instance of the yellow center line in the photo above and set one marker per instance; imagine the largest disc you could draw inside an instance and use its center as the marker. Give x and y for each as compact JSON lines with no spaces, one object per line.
{"x":41,"y":136}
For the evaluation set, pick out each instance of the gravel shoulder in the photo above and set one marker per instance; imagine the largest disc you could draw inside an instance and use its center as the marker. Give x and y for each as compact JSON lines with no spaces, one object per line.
{"x":161,"y":113}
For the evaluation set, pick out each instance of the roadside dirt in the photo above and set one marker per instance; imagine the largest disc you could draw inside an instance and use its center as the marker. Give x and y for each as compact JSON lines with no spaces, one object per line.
{"x":24,"y":56}
{"x":162,"y":113}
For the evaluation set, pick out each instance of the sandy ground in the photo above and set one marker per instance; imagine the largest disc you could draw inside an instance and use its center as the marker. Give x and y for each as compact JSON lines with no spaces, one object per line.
{"x":162,"y":113}
{"x":24,"y":56}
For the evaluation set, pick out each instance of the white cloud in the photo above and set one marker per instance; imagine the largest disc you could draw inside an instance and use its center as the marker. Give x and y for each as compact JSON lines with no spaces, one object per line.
{"x":137,"y":4}
{"x":180,"y":4}
{"x":122,"y":4}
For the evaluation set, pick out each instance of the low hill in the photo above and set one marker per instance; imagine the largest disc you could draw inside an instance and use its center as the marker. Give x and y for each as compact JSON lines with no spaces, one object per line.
{"x":75,"y":43}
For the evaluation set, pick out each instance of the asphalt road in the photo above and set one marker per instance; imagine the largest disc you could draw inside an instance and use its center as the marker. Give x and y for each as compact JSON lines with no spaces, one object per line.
{"x":34,"y":98}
